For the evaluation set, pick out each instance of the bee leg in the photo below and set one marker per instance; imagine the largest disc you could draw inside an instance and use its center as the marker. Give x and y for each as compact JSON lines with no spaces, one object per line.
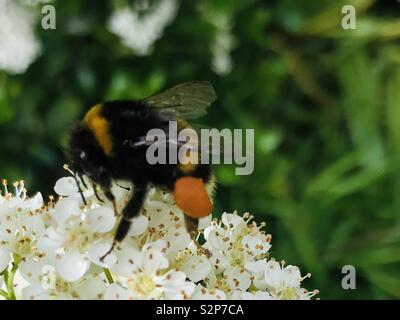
{"x":106,"y":188}
{"x":131,"y":210}
{"x":126,"y":188}
{"x":192,"y":225}
{"x":96,"y":193}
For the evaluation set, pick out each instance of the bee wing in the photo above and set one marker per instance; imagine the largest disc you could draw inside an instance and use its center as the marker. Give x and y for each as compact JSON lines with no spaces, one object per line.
{"x":218,"y":144}
{"x":187,"y":100}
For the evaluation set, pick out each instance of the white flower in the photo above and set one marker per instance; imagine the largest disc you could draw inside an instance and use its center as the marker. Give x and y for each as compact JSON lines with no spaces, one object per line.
{"x":202,"y":293}
{"x":165,"y":221}
{"x":67,"y":187}
{"x":236,"y":240}
{"x":193,"y":263}
{"x":224,"y":41}
{"x":139,"y":31}
{"x":145,"y":276}
{"x":21,"y":224}
{"x":258,"y":295}
{"x":78,"y":238}
{"x":236,"y":246}
{"x":45,"y":283}
{"x":54,"y":251}
{"x":284,"y":282}
{"x":19,"y":46}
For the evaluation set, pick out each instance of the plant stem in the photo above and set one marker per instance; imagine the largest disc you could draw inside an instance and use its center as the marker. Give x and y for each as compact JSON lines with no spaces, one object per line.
{"x":3,"y":293}
{"x":10,"y":282}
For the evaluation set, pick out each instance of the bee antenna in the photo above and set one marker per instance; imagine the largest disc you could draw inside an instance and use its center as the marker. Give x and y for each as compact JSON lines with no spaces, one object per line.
{"x":83,"y":181}
{"x":80,"y":189}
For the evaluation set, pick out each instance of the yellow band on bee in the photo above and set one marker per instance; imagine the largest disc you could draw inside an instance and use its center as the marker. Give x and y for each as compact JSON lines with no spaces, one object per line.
{"x":100,"y":127}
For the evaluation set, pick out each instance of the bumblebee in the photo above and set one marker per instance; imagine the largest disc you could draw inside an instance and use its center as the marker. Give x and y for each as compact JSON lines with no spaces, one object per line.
{"x":109,"y":145}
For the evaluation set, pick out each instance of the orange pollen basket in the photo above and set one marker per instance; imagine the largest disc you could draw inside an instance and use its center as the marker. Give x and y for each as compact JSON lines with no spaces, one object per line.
{"x":191,"y":196}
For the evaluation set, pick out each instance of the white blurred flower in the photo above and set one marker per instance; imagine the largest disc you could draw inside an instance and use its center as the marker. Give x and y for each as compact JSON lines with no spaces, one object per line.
{"x":19,"y":46}
{"x":224,"y":40}
{"x":78,"y":238}
{"x":137,"y":30}
{"x":34,"y":2}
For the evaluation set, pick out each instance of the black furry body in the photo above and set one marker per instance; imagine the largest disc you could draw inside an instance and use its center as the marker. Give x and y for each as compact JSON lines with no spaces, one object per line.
{"x":128,"y":123}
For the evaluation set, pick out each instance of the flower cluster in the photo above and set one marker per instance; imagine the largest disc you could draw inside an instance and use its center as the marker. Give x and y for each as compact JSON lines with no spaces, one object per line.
{"x":52,"y":251}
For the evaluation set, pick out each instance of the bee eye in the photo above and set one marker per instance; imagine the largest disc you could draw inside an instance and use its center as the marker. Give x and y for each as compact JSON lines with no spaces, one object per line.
{"x":82,"y":155}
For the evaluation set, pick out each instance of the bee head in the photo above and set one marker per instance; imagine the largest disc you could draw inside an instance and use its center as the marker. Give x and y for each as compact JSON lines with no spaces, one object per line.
{"x":84,"y":153}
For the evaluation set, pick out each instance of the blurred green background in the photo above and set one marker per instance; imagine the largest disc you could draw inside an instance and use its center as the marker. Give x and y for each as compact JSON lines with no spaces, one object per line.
{"x":324,"y":103}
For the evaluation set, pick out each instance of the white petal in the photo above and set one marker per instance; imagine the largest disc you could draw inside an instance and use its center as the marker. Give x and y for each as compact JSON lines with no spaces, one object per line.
{"x":19,"y":284}
{"x":128,"y":261}
{"x":176,"y":287}
{"x":256,"y":268}
{"x":31,"y":269}
{"x":262,"y":295}
{"x":66,"y":186}
{"x":238,"y":279}
{"x":236,"y":295}
{"x":158,"y":245}
{"x":153,"y":261}
{"x":62,"y":296}
{"x":5,"y":255}
{"x":274,"y":276}
{"x":178,"y":239}
{"x":91,"y":288}
{"x":205,"y":222}
{"x":197,"y":268}
{"x":35,"y":292}
{"x":34,"y":226}
{"x":219,"y":260}
{"x":215,"y":241}
{"x":259,"y":295}
{"x":115,"y":292}
{"x":65,"y":208}
{"x":202,"y":293}
{"x":101,"y":219}
{"x":8,"y":228}
{"x":231,"y":220}
{"x":34,"y":203}
{"x":98,"y":250}
{"x":138,"y":226}
{"x":118,"y":192}
{"x":50,"y":241}
{"x":72,"y":266}
{"x":292,"y":276}
{"x":256,"y":244}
